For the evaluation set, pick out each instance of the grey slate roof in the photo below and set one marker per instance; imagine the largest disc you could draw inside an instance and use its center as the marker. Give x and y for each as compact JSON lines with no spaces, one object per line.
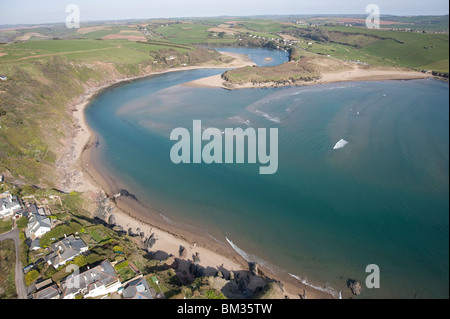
{"x":38,"y":221}
{"x":104,"y":274}
{"x":47,"y":293}
{"x":137,"y":289}
{"x":65,"y":250}
{"x":9,"y":203}
{"x":35,"y":244}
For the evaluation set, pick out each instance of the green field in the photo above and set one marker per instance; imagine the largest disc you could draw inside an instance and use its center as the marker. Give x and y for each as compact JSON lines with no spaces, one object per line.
{"x":119,"y":51}
{"x":43,"y":77}
{"x":378,"y":47}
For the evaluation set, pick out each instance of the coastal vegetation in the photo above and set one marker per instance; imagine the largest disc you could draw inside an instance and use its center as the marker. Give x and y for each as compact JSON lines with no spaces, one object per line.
{"x":303,"y":70}
{"x":7,"y":262}
{"x":44,"y":77}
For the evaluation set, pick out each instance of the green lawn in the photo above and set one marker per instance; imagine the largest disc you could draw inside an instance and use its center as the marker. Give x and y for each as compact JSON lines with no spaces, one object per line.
{"x":126,"y":273}
{"x":98,"y":234}
{"x":5,"y":226}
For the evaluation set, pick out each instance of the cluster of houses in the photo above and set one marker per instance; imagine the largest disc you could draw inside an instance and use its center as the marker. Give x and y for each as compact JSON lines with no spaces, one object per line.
{"x":95,"y":282}
{"x":279,"y":41}
{"x":39,"y":222}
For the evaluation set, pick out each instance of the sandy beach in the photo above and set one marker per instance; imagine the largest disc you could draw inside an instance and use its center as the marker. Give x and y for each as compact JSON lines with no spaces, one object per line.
{"x":82,"y":171}
{"x":356,"y":74}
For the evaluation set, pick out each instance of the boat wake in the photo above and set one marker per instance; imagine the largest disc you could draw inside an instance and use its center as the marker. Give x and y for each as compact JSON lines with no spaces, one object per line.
{"x":340,"y":144}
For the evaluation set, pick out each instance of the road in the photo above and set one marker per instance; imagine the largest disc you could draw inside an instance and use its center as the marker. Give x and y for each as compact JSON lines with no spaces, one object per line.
{"x":19,"y":279}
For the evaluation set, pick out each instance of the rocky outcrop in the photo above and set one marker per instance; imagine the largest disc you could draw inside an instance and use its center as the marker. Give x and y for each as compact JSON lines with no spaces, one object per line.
{"x":112,"y":220}
{"x":355,"y":286}
{"x":196,"y":258}
{"x":182,"y":252}
{"x":253,"y":268}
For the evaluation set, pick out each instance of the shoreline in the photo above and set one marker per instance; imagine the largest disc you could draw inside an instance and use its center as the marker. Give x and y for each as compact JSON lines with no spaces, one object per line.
{"x":85,"y":176}
{"x":357,"y":74}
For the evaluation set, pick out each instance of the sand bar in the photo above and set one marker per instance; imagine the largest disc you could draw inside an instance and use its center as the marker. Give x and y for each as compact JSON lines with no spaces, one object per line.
{"x":357,"y":74}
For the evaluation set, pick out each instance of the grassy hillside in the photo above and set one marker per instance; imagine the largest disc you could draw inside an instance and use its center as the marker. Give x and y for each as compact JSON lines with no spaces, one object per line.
{"x":291,"y":72}
{"x":44,"y":76}
{"x":378,"y":47}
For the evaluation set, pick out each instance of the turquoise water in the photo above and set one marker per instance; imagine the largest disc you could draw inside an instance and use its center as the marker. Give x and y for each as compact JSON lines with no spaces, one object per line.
{"x":326,"y":214}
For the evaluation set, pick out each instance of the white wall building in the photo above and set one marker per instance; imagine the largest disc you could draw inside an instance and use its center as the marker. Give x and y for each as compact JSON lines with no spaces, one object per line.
{"x":9,"y":205}
{"x":95,"y":282}
{"x":38,"y":225}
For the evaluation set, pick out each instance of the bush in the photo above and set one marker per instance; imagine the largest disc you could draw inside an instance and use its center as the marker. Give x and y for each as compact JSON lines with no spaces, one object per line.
{"x":212,"y":294}
{"x":93,"y":258}
{"x":49,"y":272}
{"x":31,"y":276}
{"x":118,"y":248}
{"x":80,"y":261}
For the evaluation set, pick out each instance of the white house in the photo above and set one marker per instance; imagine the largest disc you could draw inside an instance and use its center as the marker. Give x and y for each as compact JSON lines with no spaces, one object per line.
{"x":38,"y":225}
{"x":95,"y":282}
{"x":9,"y":205}
{"x":3,"y":78}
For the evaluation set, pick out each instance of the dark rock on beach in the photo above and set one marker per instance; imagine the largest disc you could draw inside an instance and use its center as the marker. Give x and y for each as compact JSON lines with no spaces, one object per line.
{"x":355,"y":286}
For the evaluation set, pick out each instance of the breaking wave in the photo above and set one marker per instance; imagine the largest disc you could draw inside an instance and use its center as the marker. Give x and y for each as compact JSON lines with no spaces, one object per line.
{"x":167,"y":219}
{"x":214,"y":238}
{"x":327,"y":289}
{"x":252,"y":258}
{"x":242,"y":253}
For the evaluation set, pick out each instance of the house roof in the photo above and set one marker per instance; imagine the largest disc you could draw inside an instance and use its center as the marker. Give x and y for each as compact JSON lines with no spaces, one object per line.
{"x":47,"y":293}
{"x":9,"y":203}
{"x":38,"y":221}
{"x":65,"y":249}
{"x":102,"y":275}
{"x":137,"y":289}
{"x":35,"y":244}
{"x":43,"y":284}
